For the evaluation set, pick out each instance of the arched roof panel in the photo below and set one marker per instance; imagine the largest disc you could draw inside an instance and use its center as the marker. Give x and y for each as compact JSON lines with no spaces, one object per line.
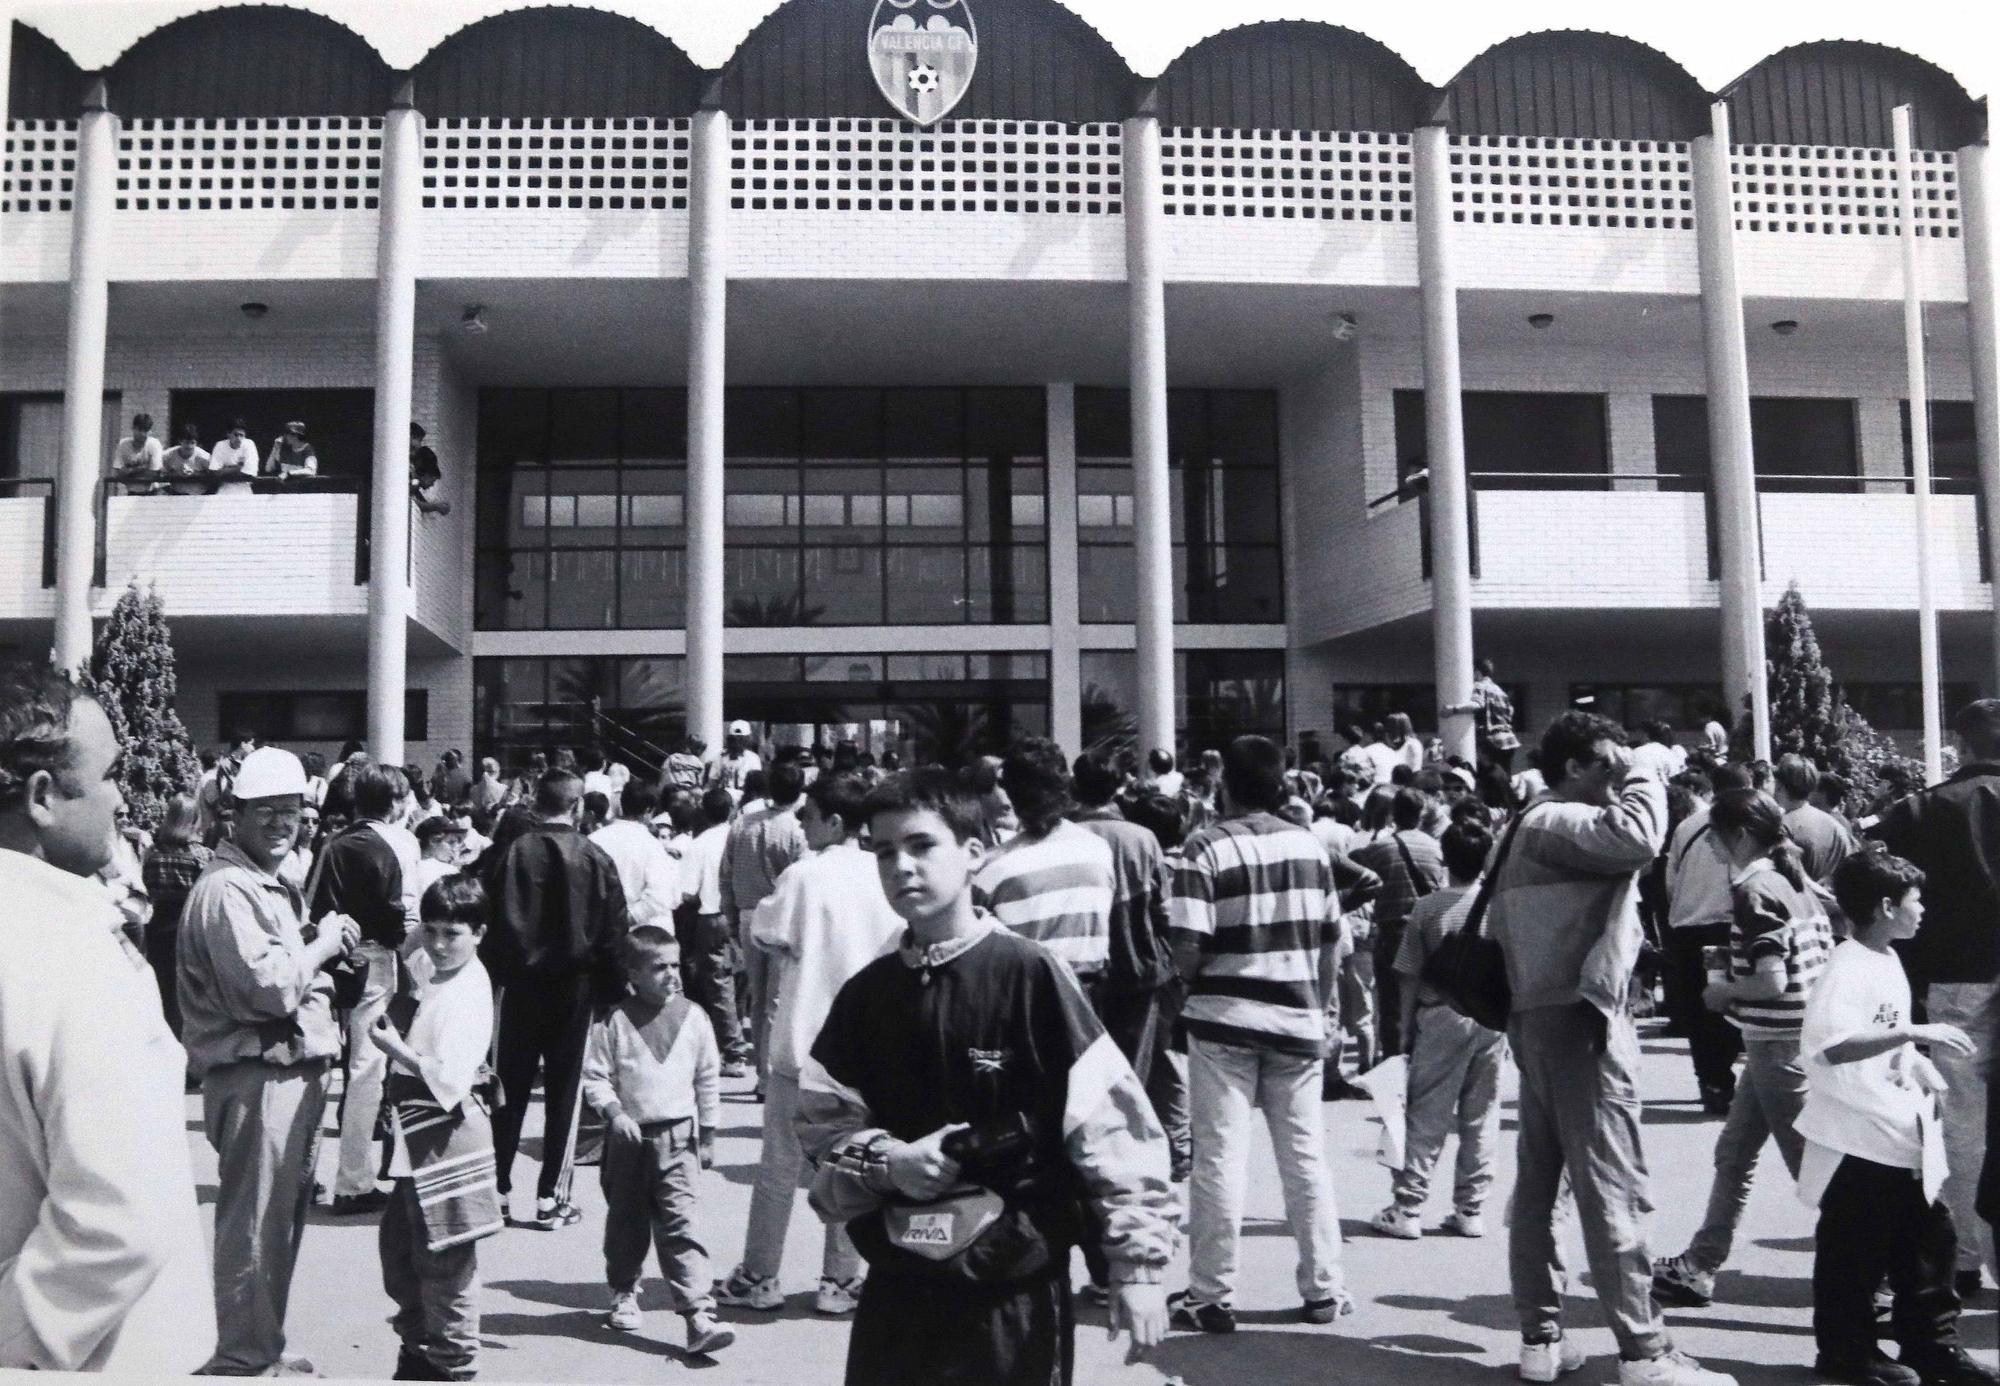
{"x":1575,"y":84}
{"x":43,"y":82}
{"x":1037,"y":61}
{"x":1842,"y":93}
{"x":1291,"y":75}
{"x":554,"y":62}
{"x":250,"y":60}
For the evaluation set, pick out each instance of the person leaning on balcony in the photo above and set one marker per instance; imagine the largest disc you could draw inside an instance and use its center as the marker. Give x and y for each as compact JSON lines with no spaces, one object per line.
{"x":291,"y":455}
{"x":425,"y":474}
{"x":233,"y":465}
{"x":137,"y":460}
{"x":186,"y":463}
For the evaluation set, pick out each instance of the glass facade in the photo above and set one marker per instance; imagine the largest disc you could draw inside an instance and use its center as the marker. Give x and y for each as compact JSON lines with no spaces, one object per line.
{"x":844,"y":507}
{"x":1218,"y":695}
{"x":1222,"y":455}
{"x":943,"y":707}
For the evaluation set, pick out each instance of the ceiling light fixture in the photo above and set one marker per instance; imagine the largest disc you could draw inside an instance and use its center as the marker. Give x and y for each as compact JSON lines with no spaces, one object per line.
{"x":1785,"y":327}
{"x":1540,"y":321}
{"x":254,"y":310}
{"x":1344,"y":327}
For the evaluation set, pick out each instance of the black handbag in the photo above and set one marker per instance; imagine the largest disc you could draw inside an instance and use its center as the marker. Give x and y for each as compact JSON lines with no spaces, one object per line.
{"x":1468,"y":966}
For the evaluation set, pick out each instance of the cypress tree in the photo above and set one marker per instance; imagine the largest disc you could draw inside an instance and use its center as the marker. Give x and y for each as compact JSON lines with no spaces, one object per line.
{"x":1805,"y":713}
{"x":132,"y":671}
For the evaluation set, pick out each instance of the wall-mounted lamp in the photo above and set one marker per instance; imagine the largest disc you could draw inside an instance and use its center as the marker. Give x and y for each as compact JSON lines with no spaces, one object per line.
{"x":1541,"y":321}
{"x":1785,"y":327}
{"x":473,"y":319}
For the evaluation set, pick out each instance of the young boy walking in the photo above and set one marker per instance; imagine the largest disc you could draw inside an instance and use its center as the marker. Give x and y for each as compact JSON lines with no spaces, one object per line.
{"x":1874,"y":1157}
{"x":958,"y":1099}
{"x":652,"y":1071}
{"x":446,"y":1198}
{"x":1455,"y":1062}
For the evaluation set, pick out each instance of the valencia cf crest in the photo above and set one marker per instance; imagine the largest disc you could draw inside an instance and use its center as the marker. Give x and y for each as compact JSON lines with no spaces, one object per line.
{"x":922,"y":53}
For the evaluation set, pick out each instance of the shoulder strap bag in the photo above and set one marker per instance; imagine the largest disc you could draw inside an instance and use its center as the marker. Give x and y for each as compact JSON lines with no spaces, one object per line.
{"x":1468,"y":966}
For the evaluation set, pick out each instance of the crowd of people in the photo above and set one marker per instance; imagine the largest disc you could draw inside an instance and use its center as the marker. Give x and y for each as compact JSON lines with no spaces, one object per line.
{"x":996,"y":1015}
{"x":233,"y":466}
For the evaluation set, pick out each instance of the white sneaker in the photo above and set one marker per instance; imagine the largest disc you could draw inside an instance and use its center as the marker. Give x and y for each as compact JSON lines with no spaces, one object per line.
{"x":1675,"y":1369}
{"x":624,"y":1315}
{"x":1463,"y":1225}
{"x":837,"y":1296}
{"x":1547,"y":1361}
{"x":741,"y":1291}
{"x":1398,"y":1222}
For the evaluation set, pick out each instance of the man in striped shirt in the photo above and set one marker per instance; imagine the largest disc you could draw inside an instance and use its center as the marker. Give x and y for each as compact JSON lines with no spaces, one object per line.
{"x":1053,"y":882}
{"x":1253,"y":934}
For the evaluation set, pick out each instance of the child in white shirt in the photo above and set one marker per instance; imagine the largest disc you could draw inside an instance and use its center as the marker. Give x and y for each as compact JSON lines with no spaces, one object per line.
{"x":446,"y":1197}
{"x":1874,"y":1160}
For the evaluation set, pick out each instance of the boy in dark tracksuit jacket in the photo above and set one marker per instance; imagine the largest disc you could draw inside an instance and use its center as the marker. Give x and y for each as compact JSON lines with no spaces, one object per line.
{"x":961,"y":1103}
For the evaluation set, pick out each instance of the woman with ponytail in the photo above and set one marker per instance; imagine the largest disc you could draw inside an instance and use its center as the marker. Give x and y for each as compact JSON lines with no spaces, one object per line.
{"x":1779,"y":943}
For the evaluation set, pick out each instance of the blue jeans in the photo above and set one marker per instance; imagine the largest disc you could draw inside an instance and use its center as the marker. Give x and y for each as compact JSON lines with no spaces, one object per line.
{"x":1768,"y":1099}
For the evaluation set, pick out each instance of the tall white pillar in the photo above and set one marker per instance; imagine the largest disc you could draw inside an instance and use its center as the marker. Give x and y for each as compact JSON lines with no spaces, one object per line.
{"x":1444,"y":443}
{"x":1732,"y":472}
{"x":401,"y":199}
{"x":83,"y":377}
{"x":708,"y":292}
{"x":1152,"y":495}
{"x":1978,"y":194}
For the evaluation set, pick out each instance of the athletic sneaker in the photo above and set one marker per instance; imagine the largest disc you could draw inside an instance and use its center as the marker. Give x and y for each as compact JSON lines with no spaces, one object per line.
{"x":1948,"y":1364}
{"x":837,"y":1296}
{"x":1547,"y":1361}
{"x":1337,"y":1305}
{"x":624,"y":1315}
{"x":1186,"y":1312}
{"x":1094,"y":1293}
{"x":1675,"y":1369}
{"x":736,"y":1068}
{"x":1462,"y":1224}
{"x":1677,"y":1282}
{"x":551,"y":1214}
{"x":1398,"y":1222}
{"x":740,"y":1290}
{"x":1872,"y":1368}
{"x":705,"y":1335}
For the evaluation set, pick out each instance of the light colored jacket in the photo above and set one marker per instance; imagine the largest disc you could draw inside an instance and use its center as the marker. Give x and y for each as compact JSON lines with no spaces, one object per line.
{"x":102,"y":1262}
{"x":1565,"y":905}
{"x":826,"y":921}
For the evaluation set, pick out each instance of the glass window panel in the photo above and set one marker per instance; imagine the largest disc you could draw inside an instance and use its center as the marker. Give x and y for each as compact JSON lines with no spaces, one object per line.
{"x":1006,"y":423}
{"x":513,"y":427}
{"x":1177,"y":491}
{"x":927,"y":668}
{"x":583,"y":508}
{"x":1029,"y":487}
{"x":923,"y":425}
{"x":562,"y":512}
{"x":1106,"y":575}
{"x":653,"y":512}
{"x":840,"y":423}
{"x":934,"y":511}
{"x":830,"y":492}
{"x":865,"y":512}
{"x":761,"y":586}
{"x":1008,"y":586}
{"x":843,"y":585}
{"x":534,"y":512}
{"x":1187,"y":426}
{"x":652,"y":589}
{"x":1008,"y":666}
{"x":1243,"y":427}
{"x":583,"y":427}
{"x":843,"y":668}
{"x":1247,"y":587}
{"x":926,"y":585}
{"x":650,"y":694}
{"x":1805,"y":444}
{"x":597,"y":512}
{"x":583,"y":590}
{"x":895,"y":510}
{"x":1095,"y":511}
{"x":761,"y":423}
{"x":760,"y":669}
{"x":655,"y":427}
{"x":979,"y":503}
{"x":1103,"y":423}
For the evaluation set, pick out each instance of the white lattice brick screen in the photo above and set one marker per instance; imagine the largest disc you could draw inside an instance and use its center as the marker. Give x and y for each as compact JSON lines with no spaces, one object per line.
{"x":38,"y":166}
{"x":1840,"y":192}
{"x":275,"y":163}
{"x":1520,"y":180}
{"x":619,"y":164}
{"x":885,"y":165}
{"x":1322,"y":175}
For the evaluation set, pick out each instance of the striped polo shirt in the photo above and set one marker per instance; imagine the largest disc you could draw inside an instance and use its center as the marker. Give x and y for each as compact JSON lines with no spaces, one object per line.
{"x":1255,"y":892}
{"x":1771,"y":919}
{"x":1056,"y":890}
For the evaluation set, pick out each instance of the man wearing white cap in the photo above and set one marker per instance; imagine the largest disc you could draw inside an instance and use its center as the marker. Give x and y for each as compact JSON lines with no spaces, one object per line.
{"x":733,"y":766}
{"x":257,"y":1010}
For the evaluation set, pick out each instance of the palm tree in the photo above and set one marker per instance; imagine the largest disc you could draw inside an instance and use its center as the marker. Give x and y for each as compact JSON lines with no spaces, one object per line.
{"x":789,"y":609}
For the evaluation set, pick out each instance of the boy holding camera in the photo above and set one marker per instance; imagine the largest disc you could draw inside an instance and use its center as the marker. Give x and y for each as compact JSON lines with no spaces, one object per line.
{"x":960,"y":1102}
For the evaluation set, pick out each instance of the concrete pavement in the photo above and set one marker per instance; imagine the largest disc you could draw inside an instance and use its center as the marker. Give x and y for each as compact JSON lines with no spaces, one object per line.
{"x":1436,"y":1310}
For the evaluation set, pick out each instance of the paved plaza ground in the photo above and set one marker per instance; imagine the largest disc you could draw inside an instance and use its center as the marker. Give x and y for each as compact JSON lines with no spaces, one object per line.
{"x":1434,"y":1311}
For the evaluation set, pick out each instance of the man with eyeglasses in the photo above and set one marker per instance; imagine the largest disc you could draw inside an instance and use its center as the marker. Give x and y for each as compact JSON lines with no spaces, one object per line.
{"x":257,"y":1008}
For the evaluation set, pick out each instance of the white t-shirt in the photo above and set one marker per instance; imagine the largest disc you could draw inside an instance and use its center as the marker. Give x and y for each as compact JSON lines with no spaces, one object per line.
{"x":1655,"y":758}
{"x":1867,"y":1108}
{"x":731,"y":771}
{"x":1169,"y":784}
{"x":1382,"y":760}
{"x":230,"y":459}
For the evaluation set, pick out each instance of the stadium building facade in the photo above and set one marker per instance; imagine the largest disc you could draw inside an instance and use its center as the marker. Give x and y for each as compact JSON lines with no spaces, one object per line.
{"x":920,"y":395}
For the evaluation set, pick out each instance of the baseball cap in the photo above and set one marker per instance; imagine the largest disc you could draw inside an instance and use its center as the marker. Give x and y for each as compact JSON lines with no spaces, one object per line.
{"x":268,"y":772}
{"x":431,"y":829}
{"x":1462,"y":775}
{"x":739,"y":728}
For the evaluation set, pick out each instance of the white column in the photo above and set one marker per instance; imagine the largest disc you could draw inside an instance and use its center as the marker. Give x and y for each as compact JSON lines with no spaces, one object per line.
{"x":1065,"y":634}
{"x":1732,"y":473}
{"x":1920,"y":445}
{"x":1977,"y":197}
{"x":83,"y":377}
{"x":401,"y":200}
{"x":708,"y":288}
{"x":1444,"y":442}
{"x":1152,"y":496}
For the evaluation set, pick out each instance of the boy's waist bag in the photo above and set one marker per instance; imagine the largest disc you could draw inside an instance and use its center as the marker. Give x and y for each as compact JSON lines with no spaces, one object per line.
{"x":1467,"y":966}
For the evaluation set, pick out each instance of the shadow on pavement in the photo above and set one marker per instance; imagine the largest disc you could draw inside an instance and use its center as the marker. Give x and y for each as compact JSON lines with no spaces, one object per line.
{"x":1677,"y":1114}
{"x":1314,"y":1355}
{"x":1492,"y":1312}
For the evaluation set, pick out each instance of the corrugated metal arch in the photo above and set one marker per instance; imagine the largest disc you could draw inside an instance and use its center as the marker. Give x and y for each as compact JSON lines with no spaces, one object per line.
{"x":555,"y":61}
{"x":1574,"y":84}
{"x":250,"y":60}
{"x":1037,"y":61}
{"x":1292,"y":74}
{"x":1841,"y":92}
{"x":43,"y":82}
